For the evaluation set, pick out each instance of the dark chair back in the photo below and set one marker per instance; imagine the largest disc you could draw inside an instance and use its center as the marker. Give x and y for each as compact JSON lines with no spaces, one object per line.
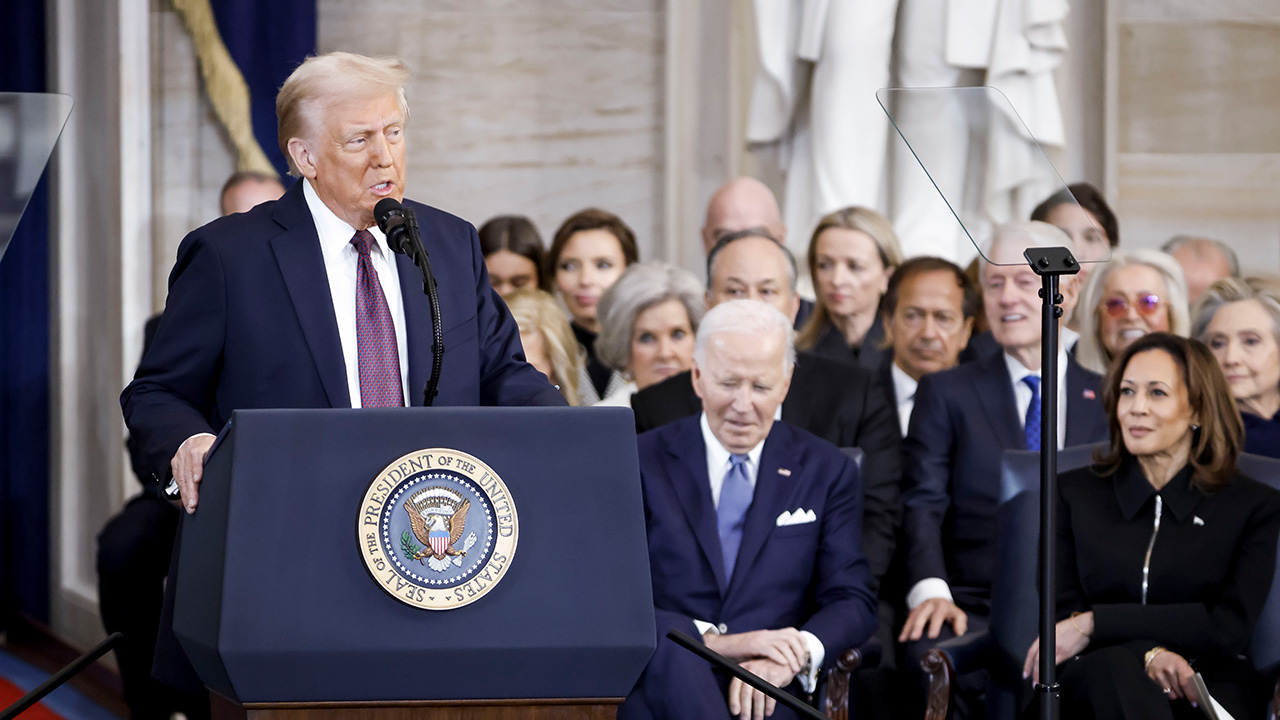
{"x":1264,"y":648}
{"x":1015,"y":596}
{"x":855,"y":453}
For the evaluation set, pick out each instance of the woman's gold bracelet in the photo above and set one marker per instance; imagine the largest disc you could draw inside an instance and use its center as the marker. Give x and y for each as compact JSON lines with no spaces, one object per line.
{"x":1151,"y":655}
{"x":1075,"y":615}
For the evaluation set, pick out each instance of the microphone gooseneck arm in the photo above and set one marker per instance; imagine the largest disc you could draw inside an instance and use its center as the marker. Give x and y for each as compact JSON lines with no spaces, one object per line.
{"x":401,"y":228}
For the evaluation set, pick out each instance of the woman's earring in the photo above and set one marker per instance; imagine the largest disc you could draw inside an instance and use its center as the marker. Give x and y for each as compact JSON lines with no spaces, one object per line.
{"x":1195,"y":428}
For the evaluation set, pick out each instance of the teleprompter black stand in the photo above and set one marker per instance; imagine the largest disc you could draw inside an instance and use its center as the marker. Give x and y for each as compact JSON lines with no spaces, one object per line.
{"x":1049,"y":263}
{"x":782,"y":696}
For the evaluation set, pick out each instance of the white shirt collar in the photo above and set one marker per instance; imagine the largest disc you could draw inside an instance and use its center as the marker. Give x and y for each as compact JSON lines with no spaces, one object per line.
{"x":335,"y":234}
{"x":904,"y":386}
{"x":1017,"y":370}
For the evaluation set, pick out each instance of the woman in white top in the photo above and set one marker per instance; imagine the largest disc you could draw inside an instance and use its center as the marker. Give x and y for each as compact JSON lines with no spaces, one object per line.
{"x":648,"y":319}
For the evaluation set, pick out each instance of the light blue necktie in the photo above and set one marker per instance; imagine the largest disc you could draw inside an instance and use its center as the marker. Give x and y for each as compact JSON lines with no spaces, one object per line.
{"x":1033,"y":413}
{"x":735,"y":498}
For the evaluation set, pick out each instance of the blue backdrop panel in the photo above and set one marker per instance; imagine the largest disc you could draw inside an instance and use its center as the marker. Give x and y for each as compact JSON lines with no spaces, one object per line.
{"x":267,"y":40}
{"x":24,"y":351}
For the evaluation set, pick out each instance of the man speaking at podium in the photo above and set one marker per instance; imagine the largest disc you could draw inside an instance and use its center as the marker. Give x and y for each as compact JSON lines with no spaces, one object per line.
{"x":300,"y":303}
{"x":754,"y":532}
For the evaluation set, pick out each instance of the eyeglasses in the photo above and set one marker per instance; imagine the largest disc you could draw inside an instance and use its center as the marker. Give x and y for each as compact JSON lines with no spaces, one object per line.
{"x":1144,"y":304}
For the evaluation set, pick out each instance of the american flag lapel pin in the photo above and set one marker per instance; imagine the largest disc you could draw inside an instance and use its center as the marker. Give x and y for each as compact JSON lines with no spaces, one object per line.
{"x":1090,"y":395}
{"x":784,"y":472}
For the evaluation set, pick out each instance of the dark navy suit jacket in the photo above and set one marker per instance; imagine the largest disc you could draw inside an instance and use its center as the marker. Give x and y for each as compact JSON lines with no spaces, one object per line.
{"x":963,"y":421}
{"x":810,"y":576}
{"x":249,"y":323}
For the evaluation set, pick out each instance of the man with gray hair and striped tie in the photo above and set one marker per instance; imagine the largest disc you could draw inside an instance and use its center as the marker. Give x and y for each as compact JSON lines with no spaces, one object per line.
{"x":754,"y":531}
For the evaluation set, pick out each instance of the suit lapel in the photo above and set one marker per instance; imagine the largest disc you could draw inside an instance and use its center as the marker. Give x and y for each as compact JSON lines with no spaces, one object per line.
{"x":688,"y":475}
{"x":298,"y":254}
{"x":418,"y":327}
{"x":1083,"y":406}
{"x":994,"y":388}
{"x":770,"y":497}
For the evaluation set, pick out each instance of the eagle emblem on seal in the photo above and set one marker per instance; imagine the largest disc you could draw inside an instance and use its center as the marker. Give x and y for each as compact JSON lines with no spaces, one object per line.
{"x":438,"y":517}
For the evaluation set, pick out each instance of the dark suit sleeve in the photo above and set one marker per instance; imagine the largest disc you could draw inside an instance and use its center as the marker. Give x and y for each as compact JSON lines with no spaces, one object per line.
{"x":1220,"y":627}
{"x":846,"y":606}
{"x":171,"y":397}
{"x":505,"y":377}
{"x":929,"y":451}
{"x":882,"y":478}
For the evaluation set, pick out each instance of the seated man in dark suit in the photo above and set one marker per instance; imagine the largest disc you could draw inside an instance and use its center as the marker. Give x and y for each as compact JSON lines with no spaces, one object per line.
{"x":753,"y":531}
{"x":836,"y":401}
{"x":963,"y":421}
{"x":928,"y":312}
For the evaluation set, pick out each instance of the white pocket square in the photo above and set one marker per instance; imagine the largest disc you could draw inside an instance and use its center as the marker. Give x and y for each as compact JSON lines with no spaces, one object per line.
{"x":799,"y":516}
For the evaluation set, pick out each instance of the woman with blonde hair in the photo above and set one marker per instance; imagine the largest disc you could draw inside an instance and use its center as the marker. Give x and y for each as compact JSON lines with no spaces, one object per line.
{"x":1134,"y":293}
{"x":852,"y":253}
{"x":549,"y":344}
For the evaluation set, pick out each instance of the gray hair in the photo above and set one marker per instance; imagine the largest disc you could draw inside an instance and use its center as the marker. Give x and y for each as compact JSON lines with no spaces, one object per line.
{"x":642,"y":286}
{"x":1090,"y":351}
{"x":1266,"y":290}
{"x":333,"y":75}
{"x":746,"y":317}
{"x":729,"y":238}
{"x":1199,"y":245}
{"x":1024,"y":234}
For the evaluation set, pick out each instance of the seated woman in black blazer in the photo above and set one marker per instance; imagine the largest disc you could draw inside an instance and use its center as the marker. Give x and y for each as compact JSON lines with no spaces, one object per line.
{"x":1165,"y":552}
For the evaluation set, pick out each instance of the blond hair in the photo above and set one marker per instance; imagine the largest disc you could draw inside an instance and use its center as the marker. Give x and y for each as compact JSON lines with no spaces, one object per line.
{"x":866,"y":221}
{"x":536,"y":311}
{"x":323,"y":78}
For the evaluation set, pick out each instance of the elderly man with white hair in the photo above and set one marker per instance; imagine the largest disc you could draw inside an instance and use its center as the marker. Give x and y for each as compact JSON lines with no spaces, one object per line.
{"x":753,"y":530}
{"x":963,"y":421}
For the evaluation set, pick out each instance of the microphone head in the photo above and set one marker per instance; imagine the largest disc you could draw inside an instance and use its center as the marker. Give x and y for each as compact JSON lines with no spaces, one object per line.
{"x":386,"y":210}
{"x":391,"y":217}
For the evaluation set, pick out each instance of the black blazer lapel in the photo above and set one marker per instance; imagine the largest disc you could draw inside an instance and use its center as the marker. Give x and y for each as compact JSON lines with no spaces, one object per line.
{"x":771,"y":493}
{"x":994,"y":389}
{"x":687,"y":471}
{"x":298,"y":254}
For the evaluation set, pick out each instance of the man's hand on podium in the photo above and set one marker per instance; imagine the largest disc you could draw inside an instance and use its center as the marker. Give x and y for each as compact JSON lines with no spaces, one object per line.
{"x":188,"y":468}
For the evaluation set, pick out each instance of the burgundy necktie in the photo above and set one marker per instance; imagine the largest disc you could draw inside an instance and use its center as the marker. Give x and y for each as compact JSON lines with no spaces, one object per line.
{"x":380,"y":384}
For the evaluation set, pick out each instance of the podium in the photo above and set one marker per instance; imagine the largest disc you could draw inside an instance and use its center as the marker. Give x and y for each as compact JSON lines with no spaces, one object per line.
{"x":282,"y":608}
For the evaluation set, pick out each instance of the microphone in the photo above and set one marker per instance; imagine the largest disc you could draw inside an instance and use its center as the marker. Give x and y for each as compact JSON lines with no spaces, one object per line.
{"x":400,"y":226}
{"x":397,"y":223}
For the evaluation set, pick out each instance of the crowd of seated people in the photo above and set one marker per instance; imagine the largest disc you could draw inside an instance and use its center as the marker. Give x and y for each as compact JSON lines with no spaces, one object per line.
{"x":934,"y":376}
{"x":744,"y":395}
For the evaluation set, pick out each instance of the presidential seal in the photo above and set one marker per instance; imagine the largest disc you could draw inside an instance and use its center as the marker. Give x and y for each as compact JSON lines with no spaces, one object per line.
{"x":437,"y":529}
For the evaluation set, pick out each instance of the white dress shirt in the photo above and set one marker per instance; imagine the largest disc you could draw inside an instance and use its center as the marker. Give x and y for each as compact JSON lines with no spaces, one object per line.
{"x":340,"y":259}
{"x":1022,"y":393}
{"x":904,"y":392}
{"x":930,"y":588}
{"x":719,"y":460}
{"x":340,"y":266}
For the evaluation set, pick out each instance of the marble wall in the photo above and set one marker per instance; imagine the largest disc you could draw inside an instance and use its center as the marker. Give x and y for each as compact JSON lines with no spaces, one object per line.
{"x":1194,"y":101}
{"x":538,"y":107}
